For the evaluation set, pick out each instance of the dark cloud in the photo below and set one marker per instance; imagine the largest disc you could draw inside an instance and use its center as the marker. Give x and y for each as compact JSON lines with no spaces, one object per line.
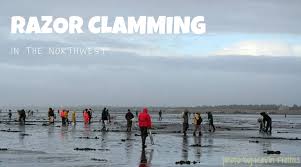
{"x":134,"y":80}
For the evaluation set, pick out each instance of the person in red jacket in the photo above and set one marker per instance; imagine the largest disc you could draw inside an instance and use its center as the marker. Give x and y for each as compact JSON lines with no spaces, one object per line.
{"x":86,"y":116}
{"x":144,"y":123}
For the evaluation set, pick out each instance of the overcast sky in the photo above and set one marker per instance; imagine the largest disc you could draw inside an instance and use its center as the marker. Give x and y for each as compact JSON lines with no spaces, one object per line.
{"x":251,"y":54}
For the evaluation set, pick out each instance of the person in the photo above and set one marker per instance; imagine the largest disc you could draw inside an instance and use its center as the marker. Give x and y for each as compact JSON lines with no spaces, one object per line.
{"x":160,"y":115}
{"x":67,"y":116}
{"x":63,"y":116}
{"x":51,"y":115}
{"x":9,"y":115}
{"x":105,"y":117}
{"x":197,"y":120}
{"x":261,"y":125}
{"x":267,"y":121}
{"x":86,"y":116}
{"x":73,"y":117}
{"x":185,"y":117}
{"x":145,"y":122}
{"x":129,"y":116}
{"x":90,"y":115}
{"x":210,"y":120}
{"x":22,"y":116}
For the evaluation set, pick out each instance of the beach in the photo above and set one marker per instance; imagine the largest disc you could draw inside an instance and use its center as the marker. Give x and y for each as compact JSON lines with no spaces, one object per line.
{"x":236,"y":142}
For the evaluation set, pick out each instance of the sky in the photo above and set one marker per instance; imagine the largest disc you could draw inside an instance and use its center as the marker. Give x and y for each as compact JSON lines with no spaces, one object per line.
{"x":250,"y":54}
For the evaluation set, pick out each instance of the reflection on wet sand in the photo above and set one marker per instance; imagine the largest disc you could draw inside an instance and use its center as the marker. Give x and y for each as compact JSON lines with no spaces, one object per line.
{"x":64,"y":132}
{"x":50,"y":131}
{"x":266,"y":144}
{"x":104,"y":140}
{"x":143,"y":159}
{"x":209,"y":140}
{"x":73,"y":130}
{"x":87,"y":130}
{"x":21,"y":133}
{"x":197,"y":150}
{"x":185,"y":148}
{"x":129,"y":145}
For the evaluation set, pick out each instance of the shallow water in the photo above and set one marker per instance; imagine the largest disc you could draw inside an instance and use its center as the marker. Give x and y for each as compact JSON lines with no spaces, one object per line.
{"x":37,"y":145}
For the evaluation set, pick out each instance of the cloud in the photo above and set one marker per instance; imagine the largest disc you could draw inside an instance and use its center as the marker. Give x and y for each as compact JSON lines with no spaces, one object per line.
{"x":260,"y":48}
{"x":256,"y":16}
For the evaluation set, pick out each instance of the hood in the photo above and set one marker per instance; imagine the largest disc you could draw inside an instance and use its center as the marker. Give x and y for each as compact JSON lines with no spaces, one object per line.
{"x":145,"y":110}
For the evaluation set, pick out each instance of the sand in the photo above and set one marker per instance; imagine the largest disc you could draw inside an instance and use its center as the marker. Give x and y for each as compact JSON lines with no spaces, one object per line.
{"x":236,"y":142}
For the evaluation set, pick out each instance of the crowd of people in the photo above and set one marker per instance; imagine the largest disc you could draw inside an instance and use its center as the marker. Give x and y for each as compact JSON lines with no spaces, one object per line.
{"x":144,"y":120}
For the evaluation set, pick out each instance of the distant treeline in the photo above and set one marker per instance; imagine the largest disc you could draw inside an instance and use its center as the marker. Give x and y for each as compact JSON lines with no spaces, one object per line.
{"x":253,"y":107}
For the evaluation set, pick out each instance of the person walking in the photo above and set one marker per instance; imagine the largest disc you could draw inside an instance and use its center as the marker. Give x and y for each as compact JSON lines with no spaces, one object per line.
{"x":145,"y":123}
{"x":22,"y":116}
{"x":105,"y":117}
{"x":210,"y":120}
{"x":9,"y":115}
{"x":185,"y":117}
{"x":129,"y":116}
{"x":160,"y":115}
{"x":51,"y":115}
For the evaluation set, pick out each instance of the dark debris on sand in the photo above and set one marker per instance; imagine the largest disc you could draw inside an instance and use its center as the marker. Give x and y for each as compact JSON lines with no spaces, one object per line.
{"x":186,"y":162}
{"x":253,"y":141}
{"x":199,"y":145}
{"x":281,"y":132}
{"x":123,"y":140}
{"x":85,"y":149}
{"x":25,"y":134}
{"x":8,"y":130}
{"x":90,"y":149}
{"x":86,"y":137}
{"x":276,"y":138}
{"x":99,"y":160}
{"x":196,"y":145}
{"x":272,"y":152}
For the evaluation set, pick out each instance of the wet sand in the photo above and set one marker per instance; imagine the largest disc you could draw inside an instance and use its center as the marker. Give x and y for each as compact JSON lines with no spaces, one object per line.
{"x":236,"y":138}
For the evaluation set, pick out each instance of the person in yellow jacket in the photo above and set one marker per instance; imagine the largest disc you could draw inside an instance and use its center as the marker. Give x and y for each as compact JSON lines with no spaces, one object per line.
{"x":197,"y":120}
{"x":73,"y":117}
